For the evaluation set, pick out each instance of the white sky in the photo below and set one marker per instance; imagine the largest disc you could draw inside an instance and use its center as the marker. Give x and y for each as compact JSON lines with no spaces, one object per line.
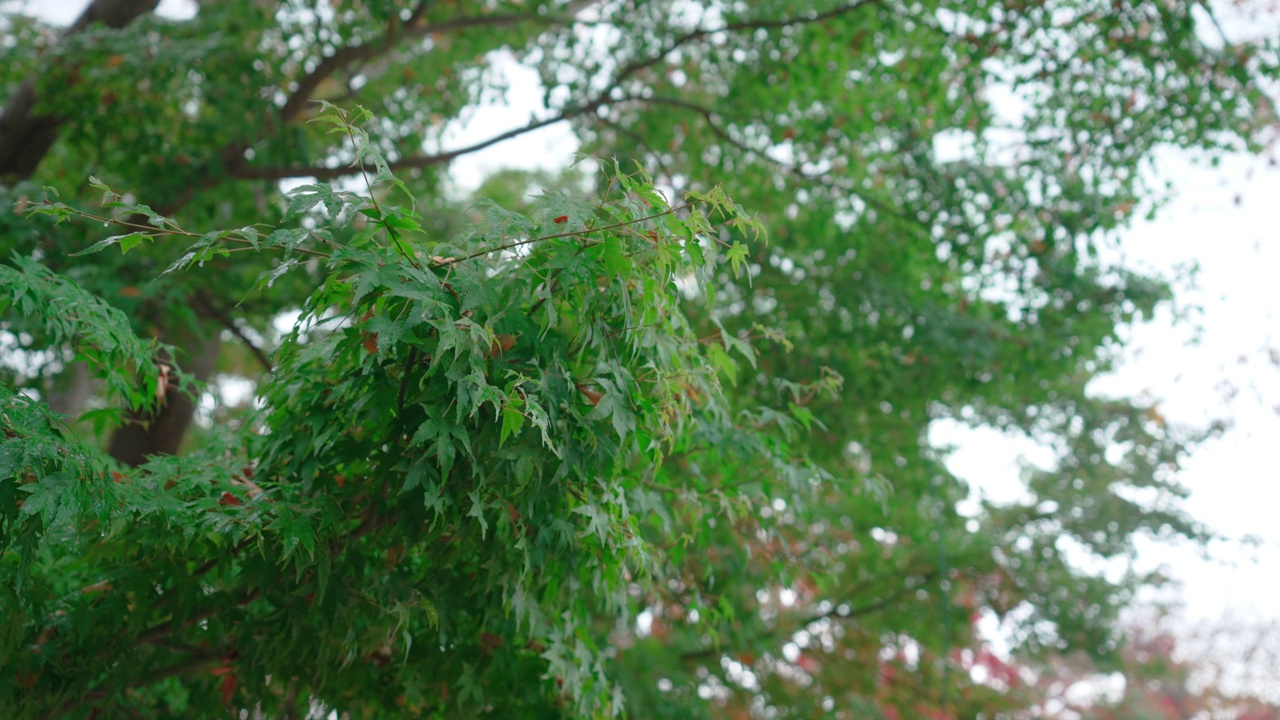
{"x":1223,"y":219}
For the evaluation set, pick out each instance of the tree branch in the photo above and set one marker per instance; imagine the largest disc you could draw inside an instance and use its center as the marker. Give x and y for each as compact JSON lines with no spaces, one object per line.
{"x":774,"y":24}
{"x":874,"y":606}
{"x":708,"y":114}
{"x":208,"y":307}
{"x":321,"y":172}
{"x":293,"y":106}
{"x":416,"y":28}
{"x":780,"y":23}
{"x":833,"y":614}
{"x":571,"y":233}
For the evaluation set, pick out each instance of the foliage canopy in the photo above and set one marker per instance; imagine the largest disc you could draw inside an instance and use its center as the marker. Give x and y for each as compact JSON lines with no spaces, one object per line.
{"x":628,"y":446}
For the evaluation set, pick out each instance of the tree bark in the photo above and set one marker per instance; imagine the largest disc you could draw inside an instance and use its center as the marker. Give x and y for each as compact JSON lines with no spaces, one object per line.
{"x":161,"y":433}
{"x":25,"y":137}
{"x":72,"y":391}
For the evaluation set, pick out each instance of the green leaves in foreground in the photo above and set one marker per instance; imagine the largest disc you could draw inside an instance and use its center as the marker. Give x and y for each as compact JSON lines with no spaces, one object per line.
{"x":454,"y":479}
{"x":55,"y":311}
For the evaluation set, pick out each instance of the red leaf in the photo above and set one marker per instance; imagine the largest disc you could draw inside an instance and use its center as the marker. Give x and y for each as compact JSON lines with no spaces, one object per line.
{"x":228,"y":688}
{"x":560,"y":219}
{"x":229,"y":499}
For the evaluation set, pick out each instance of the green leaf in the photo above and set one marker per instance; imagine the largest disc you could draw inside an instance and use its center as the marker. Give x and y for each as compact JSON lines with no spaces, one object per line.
{"x":721,"y":361}
{"x":130,"y":241}
{"x":737,"y":255}
{"x":512,"y":421}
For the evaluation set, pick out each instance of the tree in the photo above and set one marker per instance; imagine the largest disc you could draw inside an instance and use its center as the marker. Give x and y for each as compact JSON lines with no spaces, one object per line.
{"x":483,"y":452}
{"x":1172,"y":669}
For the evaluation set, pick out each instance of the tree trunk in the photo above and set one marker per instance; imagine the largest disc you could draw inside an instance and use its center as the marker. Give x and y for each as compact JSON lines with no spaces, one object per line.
{"x":161,"y":433}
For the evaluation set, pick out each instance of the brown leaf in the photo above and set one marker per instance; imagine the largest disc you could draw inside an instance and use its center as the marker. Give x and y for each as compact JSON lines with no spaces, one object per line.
{"x":593,"y":396}
{"x":501,"y":344}
{"x":394,"y":555}
{"x":490,"y":642}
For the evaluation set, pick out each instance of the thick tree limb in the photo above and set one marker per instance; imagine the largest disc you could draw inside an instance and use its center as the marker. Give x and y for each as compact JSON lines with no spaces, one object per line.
{"x":162,"y":432}
{"x":25,"y":137}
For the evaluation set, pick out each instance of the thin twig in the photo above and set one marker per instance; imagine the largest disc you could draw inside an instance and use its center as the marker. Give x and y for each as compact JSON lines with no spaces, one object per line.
{"x":571,"y":233}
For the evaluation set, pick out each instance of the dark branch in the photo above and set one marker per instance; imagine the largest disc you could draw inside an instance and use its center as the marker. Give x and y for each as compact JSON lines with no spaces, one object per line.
{"x":335,"y":62}
{"x":780,"y":23}
{"x":834,"y":614}
{"x":710,"y":116}
{"x":774,"y":24}
{"x":414,"y":27}
{"x":114,"y":14}
{"x":206,"y":306}
{"x":321,"y":172}
{"x":232,"y":154}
